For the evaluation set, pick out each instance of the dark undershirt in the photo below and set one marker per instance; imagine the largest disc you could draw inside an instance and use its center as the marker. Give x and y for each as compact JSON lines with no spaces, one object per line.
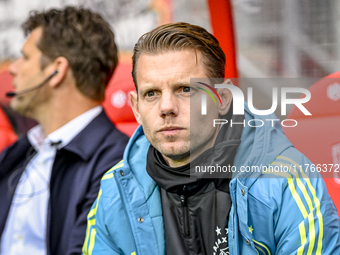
{"x":196,"y":209}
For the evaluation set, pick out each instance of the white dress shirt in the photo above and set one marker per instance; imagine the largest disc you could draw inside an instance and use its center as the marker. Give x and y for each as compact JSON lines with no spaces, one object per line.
{"x":25,"y":230}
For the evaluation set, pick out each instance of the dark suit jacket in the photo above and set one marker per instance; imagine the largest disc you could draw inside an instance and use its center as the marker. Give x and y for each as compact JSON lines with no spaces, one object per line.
{"x":75,"y":180}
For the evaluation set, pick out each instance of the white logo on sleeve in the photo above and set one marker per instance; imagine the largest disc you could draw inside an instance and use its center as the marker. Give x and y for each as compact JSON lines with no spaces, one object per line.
{"x":221,"y":244}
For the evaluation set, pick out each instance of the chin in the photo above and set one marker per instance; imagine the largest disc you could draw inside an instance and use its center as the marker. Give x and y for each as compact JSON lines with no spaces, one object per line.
{"x":14,"y":106}
{"x":22,"y":110}
{"x":177,"y":152}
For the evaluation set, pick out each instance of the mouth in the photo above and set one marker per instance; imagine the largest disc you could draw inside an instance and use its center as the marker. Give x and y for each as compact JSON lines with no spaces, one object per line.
{"x":170,"y":130}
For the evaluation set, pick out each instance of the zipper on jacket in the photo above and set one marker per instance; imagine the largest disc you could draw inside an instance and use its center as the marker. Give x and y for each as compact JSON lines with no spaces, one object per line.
{"x":185,"y":212}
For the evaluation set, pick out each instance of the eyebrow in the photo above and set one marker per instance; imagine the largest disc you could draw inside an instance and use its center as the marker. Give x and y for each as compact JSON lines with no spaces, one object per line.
{"x":182,"y":84}
{"x":151,"y":86}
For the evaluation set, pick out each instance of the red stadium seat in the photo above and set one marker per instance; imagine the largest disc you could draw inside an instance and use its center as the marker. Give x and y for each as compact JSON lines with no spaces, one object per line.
{"x":116,"y":102}
{"x":7,"y":135}
{"x":6,"y":86}
{"x":318,"y":136}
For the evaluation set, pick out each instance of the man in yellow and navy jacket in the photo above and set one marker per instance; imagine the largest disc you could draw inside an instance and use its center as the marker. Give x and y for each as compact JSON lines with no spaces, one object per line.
{"x":153,"y":201}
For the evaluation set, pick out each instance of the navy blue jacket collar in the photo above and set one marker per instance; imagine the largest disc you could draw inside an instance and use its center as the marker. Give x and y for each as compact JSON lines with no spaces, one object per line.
{"x":94,"y":135}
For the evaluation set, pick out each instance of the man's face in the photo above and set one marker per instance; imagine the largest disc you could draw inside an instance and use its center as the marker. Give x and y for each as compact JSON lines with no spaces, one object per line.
{"x":27,"y":73}
{"x":163,"y":105}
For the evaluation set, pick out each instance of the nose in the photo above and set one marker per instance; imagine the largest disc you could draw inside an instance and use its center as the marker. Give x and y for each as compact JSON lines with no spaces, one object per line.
{"x":168,"y":104}
{"x":13,"y":68}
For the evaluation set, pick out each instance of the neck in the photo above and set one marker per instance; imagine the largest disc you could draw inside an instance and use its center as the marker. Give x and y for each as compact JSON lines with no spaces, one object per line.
{"x":63,"y":108}
{"x":57,"y":120}
{"x":176,"y":163}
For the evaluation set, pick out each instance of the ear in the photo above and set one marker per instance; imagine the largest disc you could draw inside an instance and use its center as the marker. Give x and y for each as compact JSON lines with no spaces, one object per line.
{"x":133,"y":98}
{"x":226,"y":98}
{"x":61,"y":64}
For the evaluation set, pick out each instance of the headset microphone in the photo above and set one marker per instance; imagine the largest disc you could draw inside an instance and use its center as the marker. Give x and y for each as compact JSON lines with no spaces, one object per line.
{"x":13,"y":94}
